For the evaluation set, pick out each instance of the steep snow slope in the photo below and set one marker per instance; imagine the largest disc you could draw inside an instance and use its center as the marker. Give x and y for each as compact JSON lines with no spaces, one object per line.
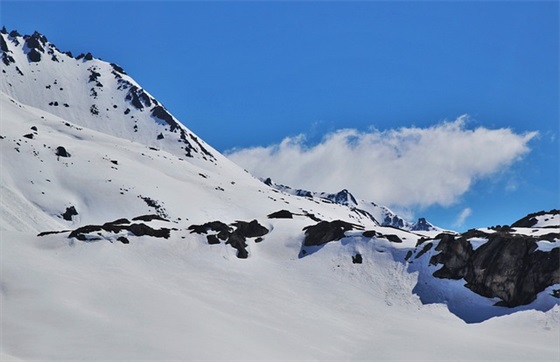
{"x":105,"y":178}
{"x":95,"y":94}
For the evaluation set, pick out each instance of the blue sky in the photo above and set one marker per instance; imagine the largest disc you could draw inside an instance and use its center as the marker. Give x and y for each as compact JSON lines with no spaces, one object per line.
{"x":249,"y":74}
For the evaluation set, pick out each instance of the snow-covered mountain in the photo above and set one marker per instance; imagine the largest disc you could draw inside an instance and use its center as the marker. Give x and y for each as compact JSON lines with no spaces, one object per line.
{"x":381,"y":215}
{"x":124,"y":236}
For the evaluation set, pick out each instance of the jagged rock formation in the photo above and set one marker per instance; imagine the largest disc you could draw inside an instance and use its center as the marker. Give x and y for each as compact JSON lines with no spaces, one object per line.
{"x":502,"y":264}
{"x":235,"y":234}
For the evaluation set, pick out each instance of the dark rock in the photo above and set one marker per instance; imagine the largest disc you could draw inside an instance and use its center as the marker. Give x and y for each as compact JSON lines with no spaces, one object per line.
{"x":36,"y":42}
{"x":424,"y":250}
{"x":70,"y":211}
{"x":34,"y":128}
{"x":212,"y":239}
{"x":508,"y":266}
{"x":43,"y":233}
{"x":394,"y":221}
{"x":14,"y":33}
{"x":161,"y":113}
{"x":3,"y":44}
{"x":116,"y":222}
{"x":29,"y":135}
{"x":454,"y":256}
{"x":34,"y":55}
{"x":342,"y":198}
{"x":282,"y":214}
{"x":143,"y":229}
{"x":213,"y":225}
{"x":7,"y":60}
{"x":123,"y":240}
{"x":237,"y":241}
{"x":325,"y":231}
{"x":117,"y":68}
{"x":61,"y":152}
{"x":160,"y":136}
{"x":79,"y":232}
{"x":250,"y":229}
{"x":88,"y":56}
{"x":408,"y":255}
{"x":236,"y":238}
{"x":149,"y":218}
{"x":370,"y":234}
{"x":422,"y":225}
{"x":393,"y":238}
{"x":357,"y":259}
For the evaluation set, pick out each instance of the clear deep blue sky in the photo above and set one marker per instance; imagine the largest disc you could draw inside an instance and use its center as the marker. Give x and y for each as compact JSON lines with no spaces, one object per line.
{"x":245,"y":74}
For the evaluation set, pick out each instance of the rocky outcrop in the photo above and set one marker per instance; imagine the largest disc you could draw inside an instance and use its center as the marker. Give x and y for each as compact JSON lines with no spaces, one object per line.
{"x":531,"y":219}
{"x":95,"y":232}
{"x":326,"y":231}
{"x":235,"y":234}
{"x":507,"y":266}
{"x":70,"y":211}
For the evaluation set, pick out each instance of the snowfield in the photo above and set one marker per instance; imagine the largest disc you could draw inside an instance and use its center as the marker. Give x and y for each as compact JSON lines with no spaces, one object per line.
{"x":179,"y":299}
{"x":139,"y":282}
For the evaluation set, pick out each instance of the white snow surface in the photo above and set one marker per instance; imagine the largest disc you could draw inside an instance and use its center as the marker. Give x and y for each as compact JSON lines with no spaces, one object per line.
{"x":547,"y":220}
{"x":182,"y":299}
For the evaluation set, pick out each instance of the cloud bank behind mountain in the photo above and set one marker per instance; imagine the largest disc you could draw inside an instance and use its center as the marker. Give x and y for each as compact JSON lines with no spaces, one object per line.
{"x":404,"y":167}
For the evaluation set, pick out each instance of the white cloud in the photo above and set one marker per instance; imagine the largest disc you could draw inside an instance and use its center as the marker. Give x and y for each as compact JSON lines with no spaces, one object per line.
{"x":463,"y":216}
{"x":405,"y":167}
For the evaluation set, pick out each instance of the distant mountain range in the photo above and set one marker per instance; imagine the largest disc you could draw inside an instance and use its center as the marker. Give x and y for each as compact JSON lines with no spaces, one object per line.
{"x":98,"y":175}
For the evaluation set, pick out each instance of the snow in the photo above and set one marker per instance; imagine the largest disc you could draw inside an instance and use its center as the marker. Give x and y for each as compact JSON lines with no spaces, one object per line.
{"x":182,"y":299}
{"x":178,"y":299}
{"x":547,"y":246}
{"x":547,"y":220}
{"x":477,"y":242}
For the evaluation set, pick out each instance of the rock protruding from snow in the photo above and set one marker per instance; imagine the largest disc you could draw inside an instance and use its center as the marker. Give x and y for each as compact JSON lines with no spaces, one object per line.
{"x":508,"y":266}
{"x":326,"y":231}
{"x":423,"y":225}
{"x":235,"y":234}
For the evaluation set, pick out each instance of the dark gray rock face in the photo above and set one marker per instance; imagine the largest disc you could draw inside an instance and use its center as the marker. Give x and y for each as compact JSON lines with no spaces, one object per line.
{"x":234,"y":235}
{"x":70,"y":211}
{"x":61,"y":152}
{"x":422,"y":225}
{"x":282,"y":214}
{"x":84,"y":233}
{"x":508,"y":266}
{"x":325,"y":231}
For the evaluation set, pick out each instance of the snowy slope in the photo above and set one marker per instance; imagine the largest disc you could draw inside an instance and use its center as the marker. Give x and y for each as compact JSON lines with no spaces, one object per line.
{"x":106,"y":178}
{"x":325,"y":281}
{"x":95,"y":94}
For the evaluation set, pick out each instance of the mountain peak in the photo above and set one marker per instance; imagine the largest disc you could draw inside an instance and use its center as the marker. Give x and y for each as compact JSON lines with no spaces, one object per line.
{"x":94,"y":94}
